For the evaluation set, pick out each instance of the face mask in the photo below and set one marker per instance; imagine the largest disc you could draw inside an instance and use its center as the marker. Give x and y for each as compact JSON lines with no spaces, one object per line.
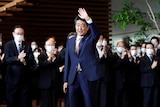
{"x":19,"y":38}
{"x":104,"y":43}
{"x":99,"y":43}
{"x":149,"y":51}
{"x":143,"y":50}
{"x":36,"y":54}
{"x":33,"y":47}
{"x":133,"y":52}
{"x":155,"y":44}
{"x":50,"y":48}
{"x":138,"y":51}
{"x":120,"y":49}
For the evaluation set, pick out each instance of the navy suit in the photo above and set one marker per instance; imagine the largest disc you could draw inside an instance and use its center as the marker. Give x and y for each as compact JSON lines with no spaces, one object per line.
{"x":150,"y":80}
{"x":48,"y":80}
{"x":90,"y":65}
{"x":18,"y":75}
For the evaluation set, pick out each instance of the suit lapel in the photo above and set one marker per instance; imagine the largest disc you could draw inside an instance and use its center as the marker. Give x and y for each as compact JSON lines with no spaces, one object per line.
{"x":73,"y":45}
{"x":14,"y":47}
{"x":147,"y":59}
{"x":83,"y":44}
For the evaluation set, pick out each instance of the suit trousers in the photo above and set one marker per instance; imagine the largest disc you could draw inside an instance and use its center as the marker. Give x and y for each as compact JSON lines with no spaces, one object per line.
{"x":18,"y":95}
{"x":83,"y":93}
{"x":49,"y":97}
{"x":150,"y":96}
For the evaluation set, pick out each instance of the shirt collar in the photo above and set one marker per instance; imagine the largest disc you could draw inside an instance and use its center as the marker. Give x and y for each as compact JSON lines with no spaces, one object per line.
{"x":79,"y":37}
{"x":17,"y":43}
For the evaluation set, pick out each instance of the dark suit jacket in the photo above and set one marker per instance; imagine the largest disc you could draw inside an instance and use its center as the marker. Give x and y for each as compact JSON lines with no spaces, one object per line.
{"x":48,"y":72}
{"x":149,"y":76}
{"x":17,"y":71}
{"x":120,"y":68}
{"x":86,"y":57}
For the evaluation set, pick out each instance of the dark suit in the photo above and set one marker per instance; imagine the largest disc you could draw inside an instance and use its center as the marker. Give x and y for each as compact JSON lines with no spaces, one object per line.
{"x":86,"y":80}
{"x":134,"y":94}
{"x":106,"y":85}
{"x":47,"y":82}
{"x":120,"y":68}
{"x":18,"y":75}
{"x":149,"y":82}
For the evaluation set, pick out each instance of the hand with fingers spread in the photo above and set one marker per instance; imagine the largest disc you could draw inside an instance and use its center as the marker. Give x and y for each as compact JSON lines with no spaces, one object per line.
{"x":83,"y":14}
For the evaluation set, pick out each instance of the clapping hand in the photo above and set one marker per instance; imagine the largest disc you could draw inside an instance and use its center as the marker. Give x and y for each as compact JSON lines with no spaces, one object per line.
{"x":21,"y":56}
{"x":51,"y":56}
{"x":2,"y":57}
{"x":154,"y":64}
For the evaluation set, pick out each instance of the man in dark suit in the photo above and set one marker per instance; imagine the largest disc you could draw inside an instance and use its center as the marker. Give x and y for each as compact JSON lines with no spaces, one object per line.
{"x":82,"y":67}
{"x":48,"y":74}
{"x":133,"y":80}
{"x":119,"y":63}
{"x":19,"y":59}
{"x":150,"y":78}
{"x":104,"y":53}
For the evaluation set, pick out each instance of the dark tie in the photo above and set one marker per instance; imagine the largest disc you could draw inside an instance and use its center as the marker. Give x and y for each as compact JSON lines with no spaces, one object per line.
{"x":19,"y":48}
{"x":51,"y":60}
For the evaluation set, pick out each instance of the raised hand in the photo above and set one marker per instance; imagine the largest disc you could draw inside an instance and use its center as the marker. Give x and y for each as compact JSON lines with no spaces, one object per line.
{"x":83,"y":14}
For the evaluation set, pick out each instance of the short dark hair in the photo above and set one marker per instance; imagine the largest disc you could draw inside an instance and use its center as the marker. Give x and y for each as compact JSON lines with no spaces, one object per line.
{"x":71,"y":34}
{"x":78,"y":18}
{"x":17,"y":26}
{"x":149,"y":43}
{"x":154,"y":37}
{"x":53,"y":37}
{"x":133,"y":45}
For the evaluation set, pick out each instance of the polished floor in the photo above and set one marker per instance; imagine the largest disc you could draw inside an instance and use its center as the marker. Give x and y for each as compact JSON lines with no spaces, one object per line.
{"x":60,"y":103}
{"x":3,"y":105}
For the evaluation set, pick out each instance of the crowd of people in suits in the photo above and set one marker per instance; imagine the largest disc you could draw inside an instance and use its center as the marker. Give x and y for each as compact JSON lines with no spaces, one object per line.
{"x":85,"y":72}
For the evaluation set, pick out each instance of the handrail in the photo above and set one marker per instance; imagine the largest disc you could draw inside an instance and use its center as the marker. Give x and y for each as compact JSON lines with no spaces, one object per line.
{"x":10,"y":4}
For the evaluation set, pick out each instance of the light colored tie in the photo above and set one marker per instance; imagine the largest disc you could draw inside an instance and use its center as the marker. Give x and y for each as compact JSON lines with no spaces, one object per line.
{"x":78,"y":42}
{"x":151,"y":57}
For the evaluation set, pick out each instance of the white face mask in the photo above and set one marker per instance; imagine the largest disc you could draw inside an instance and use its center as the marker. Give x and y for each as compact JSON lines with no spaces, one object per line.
{"x":155,"y":44}
{"x":36,"y":54}
{"x":50,"y":48}
{"x":34,"y":47}
{"x":143,"y":50}
{"x":138,"y":51}
{"x":104,"y":43}
{"x":120,"y":49}
{"x":149,"y":51}
{"x":19,"y":38}
{"x":133,"y":52}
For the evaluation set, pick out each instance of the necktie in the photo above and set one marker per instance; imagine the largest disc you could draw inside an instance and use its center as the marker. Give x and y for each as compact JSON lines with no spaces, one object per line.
{"x":51,"y":60}
{"x":19,"y":48}
{"x":151,"y":57}
{"x":78,"y":42}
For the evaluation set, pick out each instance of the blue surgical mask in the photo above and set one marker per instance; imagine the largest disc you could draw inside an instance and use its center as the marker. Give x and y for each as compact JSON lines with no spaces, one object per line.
{"x":120,"y":49}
